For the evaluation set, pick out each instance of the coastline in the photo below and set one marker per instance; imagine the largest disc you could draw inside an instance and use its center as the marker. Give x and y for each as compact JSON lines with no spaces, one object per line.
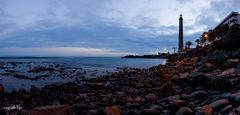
{"x":188,"y":83}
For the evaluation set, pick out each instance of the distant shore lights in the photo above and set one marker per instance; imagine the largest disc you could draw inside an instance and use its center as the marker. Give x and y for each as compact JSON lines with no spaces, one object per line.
{"x":165,"y":50}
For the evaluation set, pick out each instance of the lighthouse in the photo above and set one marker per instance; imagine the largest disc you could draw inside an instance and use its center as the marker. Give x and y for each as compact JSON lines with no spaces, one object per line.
{"x":180,"y":35}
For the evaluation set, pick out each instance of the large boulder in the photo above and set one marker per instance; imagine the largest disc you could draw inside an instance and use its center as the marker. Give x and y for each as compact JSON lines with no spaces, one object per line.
{"x":219,"y":84}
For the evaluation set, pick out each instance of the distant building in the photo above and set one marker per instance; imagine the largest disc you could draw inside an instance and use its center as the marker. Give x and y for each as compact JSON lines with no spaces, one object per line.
{"x":180,"y":35}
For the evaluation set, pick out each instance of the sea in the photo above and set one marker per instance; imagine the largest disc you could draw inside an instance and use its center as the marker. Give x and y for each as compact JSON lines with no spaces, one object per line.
{"x":93,"y":67}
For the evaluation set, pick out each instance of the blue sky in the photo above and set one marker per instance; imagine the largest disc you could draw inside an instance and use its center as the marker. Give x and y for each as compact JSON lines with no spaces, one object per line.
{"x":103,"y":27}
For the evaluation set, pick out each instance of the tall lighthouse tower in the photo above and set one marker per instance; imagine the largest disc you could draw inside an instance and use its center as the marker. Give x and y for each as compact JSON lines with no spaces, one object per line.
{"x":180,"y":35}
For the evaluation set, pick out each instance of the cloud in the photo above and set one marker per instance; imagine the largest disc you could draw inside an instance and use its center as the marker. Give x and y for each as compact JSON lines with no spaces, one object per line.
{"x":61,"y":51}
{"x":138,"y":26}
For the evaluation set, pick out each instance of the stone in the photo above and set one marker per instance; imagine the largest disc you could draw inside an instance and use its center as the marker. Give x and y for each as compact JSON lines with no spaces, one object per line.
{"x":168,"y":88}
{"x":231,"y":63}
{"x":229,"y":72}
{"x":219,"y":84}
{"x":238,"y":70}
{"x":93,"y":112}
{"x":237,"y":110}
{"x":156,"y":107}
{"x":184,"y":111}
{"x":48,"y":110}
{"x":151,"y":112}
{"x":205,"y":110}
{"x":226,"y":109}
{"x":176,"y":104}
{"x":138,"y":99}
{"x":219,"y":104}
{"x":151,"y":97}
{"x":235,"y":98}
{"x":206,"y":67}
{"x":121,"y":100}
{"x":184,"y":75}
{"x":112,"y":110}
{"x":236,"y":53}
{"x":197,"y":94}
{"x":197,"y":78}
{"x":218,"y":57}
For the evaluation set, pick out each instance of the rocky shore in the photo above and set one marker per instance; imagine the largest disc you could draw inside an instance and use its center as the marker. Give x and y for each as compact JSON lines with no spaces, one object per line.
{"x":203,"y":81}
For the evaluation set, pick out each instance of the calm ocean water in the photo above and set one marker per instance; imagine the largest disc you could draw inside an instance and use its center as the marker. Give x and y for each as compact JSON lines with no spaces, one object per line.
{"x":93,"y":67}
{"x":94,"y":62}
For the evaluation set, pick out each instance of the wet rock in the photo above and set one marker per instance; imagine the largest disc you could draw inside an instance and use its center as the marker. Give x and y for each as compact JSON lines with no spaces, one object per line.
{"x":168,"y":88}
{"x":205,"y":110}
{"x":150,"y":112}
{"x":112,"y":110}
{"x":219,"y":104}
{"x":184,"y":111}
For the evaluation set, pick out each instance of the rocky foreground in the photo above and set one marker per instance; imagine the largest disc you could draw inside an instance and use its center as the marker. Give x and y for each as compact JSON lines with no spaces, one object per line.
{"x":203,"y":81}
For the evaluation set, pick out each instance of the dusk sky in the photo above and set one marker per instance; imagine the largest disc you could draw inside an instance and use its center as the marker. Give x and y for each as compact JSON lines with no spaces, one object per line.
{"x":103,"y":27}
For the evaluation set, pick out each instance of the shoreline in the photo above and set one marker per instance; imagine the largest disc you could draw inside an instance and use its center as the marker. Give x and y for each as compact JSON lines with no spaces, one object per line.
{"x":201,"y":81}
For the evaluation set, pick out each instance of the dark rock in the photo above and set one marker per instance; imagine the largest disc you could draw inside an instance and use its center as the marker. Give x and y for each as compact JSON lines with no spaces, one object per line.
{"x":168,"y":88}
{"x":219,"y":104}
{"x":219,"y":84}
{"x":235,"y":98}
{"x":197,"y":95}
{"x":197,"y":79}
{"x":218,"y":57}
{"x":121,"y":100}
{"x":232,"y":72}
{"x":227,"y":109}
{"x":151,"y":97}
{"x":184,"y":111}
{"x":238,"y":70}
{"x":231,"y":63}
{"x":150,"y":112}
{"x":206,"y":67}
{"x":176,"y":104}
